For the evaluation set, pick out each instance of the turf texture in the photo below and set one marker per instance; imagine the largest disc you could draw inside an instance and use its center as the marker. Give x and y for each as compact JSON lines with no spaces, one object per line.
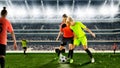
{"x":46,"y":60}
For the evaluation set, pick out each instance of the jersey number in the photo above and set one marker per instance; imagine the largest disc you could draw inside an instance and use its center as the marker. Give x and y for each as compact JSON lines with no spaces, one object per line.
{"x":1,"y":28}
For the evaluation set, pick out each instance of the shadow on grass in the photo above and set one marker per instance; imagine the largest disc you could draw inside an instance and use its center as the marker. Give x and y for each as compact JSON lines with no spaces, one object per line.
{"x":80,"y":65}
{"x":86,"y":63}
{"x":55,"y":64}
{"x":51,"y":64}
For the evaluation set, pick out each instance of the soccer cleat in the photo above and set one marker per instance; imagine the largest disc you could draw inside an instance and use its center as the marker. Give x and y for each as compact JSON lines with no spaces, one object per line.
{"x":71,"y":61}
{"x":92,"y":60}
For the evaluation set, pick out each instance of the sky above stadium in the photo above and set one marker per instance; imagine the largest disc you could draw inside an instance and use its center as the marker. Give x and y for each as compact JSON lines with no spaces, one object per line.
{"x":53,"y":9}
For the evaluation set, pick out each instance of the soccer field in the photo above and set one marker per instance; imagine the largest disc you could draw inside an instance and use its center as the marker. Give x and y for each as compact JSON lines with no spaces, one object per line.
{"x":46,"y":60}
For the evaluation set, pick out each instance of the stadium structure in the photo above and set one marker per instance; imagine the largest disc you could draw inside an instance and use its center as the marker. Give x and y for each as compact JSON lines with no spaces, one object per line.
{"x":38,"y":22}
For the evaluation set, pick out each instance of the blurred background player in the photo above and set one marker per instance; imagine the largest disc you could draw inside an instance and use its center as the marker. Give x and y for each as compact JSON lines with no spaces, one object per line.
{"x":114,"y":47}
{"x":24,"y":45}
{"x":80,"y":36}
{"x":5,"y":26}
{"x":67,"y":38}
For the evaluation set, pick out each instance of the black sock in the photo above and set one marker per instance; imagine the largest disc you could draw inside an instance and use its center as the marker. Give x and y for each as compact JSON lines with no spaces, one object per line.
{"x":59,"y":51}
{"x":114,"y":51}
{"x":24,"y":52}
{"x":69,"y":53}
{"x":89,"y":53}
{"x":2,"y":62}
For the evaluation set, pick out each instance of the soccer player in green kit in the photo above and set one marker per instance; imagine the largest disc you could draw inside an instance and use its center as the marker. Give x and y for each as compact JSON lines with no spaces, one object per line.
{"x":24,"y":45}
{"x":80,"y":36}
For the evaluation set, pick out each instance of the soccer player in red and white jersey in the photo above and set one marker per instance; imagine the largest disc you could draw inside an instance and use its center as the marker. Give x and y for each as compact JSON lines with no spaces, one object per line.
{"x":67,"y":38}
{"x":5,"y":26}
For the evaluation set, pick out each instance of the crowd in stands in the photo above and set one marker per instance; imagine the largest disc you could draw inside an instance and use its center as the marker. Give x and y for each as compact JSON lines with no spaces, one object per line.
{"x":53,"y":47}
{"x":96,"y":25}
{"x":52,"y":37}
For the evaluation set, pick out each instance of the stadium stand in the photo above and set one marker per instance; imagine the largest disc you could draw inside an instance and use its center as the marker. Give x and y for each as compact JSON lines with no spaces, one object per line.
{"x":39,"y":25}
{"x":41,"y":36}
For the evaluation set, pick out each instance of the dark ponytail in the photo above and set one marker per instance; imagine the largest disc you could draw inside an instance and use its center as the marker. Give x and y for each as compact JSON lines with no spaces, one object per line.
{"x":4,"y":8}
{"x":65,"y":16}
{"x":4,"y":11}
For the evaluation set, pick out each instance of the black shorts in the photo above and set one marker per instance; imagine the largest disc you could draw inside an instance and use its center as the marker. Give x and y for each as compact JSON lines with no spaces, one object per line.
{"x":2,"y":49}
{"x":66,"y":41}
{"x":24,"y":47}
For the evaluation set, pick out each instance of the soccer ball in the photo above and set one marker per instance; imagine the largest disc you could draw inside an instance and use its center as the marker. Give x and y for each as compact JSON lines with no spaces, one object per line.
{"x":62,"y":59}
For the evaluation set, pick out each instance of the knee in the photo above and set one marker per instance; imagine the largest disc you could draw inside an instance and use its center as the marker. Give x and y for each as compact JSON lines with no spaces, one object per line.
{"x":85,"y":47}
{"x":61,"y":47}
{"x":71,"y":47}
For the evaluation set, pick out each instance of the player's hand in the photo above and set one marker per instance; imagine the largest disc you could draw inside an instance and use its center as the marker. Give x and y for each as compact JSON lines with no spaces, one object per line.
{"x":93,"y":35}
{"x":15,"y":46}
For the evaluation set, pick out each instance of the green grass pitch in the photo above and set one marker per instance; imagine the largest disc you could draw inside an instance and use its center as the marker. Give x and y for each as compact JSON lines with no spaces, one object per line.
{"x":46,"y":60}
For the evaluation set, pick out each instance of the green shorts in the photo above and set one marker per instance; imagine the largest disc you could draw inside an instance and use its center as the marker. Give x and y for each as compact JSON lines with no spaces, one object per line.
{"x":81,"y":40}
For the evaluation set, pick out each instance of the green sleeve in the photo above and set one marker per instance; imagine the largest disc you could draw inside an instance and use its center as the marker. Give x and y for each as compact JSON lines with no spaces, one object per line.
{"x":82,"y":25}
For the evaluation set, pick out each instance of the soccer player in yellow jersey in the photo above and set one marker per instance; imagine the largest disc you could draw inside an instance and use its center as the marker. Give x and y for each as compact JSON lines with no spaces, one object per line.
{"x":80,"y":36}
{"x":24,"y":45}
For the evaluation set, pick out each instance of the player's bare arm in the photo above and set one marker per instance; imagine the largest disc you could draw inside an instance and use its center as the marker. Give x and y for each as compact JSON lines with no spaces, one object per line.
{"x":14,"y":40}
{"x":87,"y":29}
{"x":59,"y":34}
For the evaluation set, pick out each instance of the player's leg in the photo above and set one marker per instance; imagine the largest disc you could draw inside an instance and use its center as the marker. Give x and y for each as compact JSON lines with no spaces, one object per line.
{"x":70,"y":54}
{"x":71,"y":48}
{"x":60,"y":49}
{"x":25,"y":49}
{"x":87,"y":50}
{"x":2,"y":55}
{"x":63,"y":42}
{"x":59,"y":52}
{"x":75,"y":43}
{"x":70,"y":43}
{"x":2,"y":61}
{"x":89,"y":53}
{"x":114,"y":51}
{"x":84,"y":43}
